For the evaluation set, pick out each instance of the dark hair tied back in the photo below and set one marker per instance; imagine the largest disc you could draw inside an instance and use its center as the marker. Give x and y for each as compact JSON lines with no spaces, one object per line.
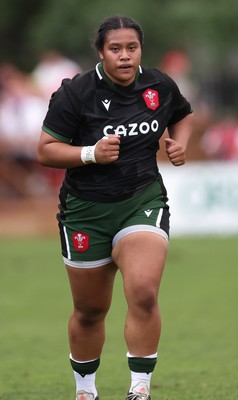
{"x":116,"y":22}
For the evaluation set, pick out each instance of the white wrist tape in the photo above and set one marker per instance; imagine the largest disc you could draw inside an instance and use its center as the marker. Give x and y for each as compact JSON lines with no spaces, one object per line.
{"x":88,"y":154}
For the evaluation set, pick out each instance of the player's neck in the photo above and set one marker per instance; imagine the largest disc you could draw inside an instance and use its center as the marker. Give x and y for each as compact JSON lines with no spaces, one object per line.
{"x":113,"y":84}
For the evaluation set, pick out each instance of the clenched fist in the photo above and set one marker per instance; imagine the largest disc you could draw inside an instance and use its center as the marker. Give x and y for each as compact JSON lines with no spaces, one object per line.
{"x":107,"y":149}
{"x":175,"y":152}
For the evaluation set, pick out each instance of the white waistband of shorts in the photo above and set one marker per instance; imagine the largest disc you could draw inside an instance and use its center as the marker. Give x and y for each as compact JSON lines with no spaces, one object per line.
{"x":139,"y":228}
{"x":87,"y":264}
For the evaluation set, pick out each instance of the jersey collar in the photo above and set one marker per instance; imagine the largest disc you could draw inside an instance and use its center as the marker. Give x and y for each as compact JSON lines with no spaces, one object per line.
{"x":101,"y":74}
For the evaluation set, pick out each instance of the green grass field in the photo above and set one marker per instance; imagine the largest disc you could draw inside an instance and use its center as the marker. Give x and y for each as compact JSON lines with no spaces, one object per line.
{"x":198,"y":354}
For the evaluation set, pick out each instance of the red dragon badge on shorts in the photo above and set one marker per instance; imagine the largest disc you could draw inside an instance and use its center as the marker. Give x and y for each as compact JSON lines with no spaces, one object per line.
{"x":151,"y":98}
{"x":80,"y":241}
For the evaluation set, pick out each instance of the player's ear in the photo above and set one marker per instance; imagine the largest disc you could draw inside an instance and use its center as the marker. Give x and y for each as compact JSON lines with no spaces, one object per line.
{"x":101,"y":55}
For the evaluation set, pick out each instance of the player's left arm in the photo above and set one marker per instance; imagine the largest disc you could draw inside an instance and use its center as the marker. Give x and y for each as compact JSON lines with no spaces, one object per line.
{"x":179,"y":135}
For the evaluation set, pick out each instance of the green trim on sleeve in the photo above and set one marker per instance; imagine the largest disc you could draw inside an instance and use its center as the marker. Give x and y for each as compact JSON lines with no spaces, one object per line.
{"x":56,"y":135}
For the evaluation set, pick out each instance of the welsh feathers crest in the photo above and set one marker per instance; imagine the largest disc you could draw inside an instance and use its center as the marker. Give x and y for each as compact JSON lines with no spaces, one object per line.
{"x":151,"y":98}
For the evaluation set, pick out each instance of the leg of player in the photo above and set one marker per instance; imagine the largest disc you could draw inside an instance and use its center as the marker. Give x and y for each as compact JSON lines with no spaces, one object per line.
{"x":92,"y":293}
{"x":141,"y":258}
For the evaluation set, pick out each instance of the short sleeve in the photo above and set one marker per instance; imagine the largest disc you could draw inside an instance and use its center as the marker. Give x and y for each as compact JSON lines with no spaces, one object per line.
{"x":63,"y":118}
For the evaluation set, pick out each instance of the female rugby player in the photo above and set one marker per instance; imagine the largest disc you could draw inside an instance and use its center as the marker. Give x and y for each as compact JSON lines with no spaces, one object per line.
{"x":104,"y":128}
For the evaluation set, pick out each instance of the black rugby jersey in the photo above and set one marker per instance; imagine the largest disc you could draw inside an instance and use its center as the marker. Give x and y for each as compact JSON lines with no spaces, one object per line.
{"x":90,"y":106}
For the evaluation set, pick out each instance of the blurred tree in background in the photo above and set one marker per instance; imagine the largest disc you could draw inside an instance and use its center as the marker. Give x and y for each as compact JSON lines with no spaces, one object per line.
{"x":206,"y":31}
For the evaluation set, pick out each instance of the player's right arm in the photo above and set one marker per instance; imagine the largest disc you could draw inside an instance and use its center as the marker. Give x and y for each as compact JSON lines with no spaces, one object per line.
{"x":54,"y":153}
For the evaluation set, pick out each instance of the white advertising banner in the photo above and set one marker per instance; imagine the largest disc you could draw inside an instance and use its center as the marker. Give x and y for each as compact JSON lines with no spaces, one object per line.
{"x":203,"y":197}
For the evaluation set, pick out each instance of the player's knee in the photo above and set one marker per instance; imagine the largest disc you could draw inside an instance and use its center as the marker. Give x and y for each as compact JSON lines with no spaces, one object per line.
{"x":88,"y":316}
{"x":145,"y":300}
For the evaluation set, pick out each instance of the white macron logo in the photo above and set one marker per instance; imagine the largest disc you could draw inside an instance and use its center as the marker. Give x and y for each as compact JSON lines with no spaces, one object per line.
{"x":106,"y":103}
{"x":148,"y":213}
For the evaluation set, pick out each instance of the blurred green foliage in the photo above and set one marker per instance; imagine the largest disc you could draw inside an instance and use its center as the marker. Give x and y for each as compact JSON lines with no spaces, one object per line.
{"x":201,"y":28}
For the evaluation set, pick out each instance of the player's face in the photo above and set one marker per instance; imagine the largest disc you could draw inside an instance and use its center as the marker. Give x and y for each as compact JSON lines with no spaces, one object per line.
{"x":121,"y":55}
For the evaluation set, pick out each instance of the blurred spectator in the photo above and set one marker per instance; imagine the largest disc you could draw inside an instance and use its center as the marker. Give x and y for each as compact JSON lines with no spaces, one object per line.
{"x":23,"y":103}
{"x":220,"y":141}
{"x":177,"y":65}
{"x":50,"y":71}
{"x":21,"y":114}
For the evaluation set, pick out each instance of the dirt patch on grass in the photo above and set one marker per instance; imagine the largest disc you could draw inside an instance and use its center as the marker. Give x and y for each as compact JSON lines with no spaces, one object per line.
{"x":29,"y":217}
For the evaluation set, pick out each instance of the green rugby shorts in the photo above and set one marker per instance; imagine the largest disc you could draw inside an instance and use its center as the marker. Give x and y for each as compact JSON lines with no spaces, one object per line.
{"x":89,"y":230}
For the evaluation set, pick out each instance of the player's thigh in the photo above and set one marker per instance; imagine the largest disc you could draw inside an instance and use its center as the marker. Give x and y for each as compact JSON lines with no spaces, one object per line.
{"x":92,"y":287}
{"x":141,"y":258}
